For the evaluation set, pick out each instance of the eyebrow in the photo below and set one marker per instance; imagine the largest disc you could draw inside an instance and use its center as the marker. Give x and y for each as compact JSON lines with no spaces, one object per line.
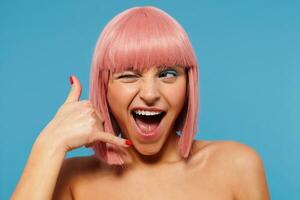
{"x":175,"y":67}
{"x":120,"y":70}
{"x":162,"y":67}
{"x":159,"y":68}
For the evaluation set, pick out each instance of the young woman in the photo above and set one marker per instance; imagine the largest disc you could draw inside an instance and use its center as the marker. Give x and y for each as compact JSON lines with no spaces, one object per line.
{"x":140,"y":120}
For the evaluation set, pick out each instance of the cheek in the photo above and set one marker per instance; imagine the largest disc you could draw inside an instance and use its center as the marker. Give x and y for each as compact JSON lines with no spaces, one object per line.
{"x":119,"y":97}
{"x":175,"y":94}
{"x":179,"y":97}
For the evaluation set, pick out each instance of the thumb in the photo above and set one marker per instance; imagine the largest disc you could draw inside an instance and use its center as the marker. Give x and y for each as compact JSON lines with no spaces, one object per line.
{"x":74,"y":94}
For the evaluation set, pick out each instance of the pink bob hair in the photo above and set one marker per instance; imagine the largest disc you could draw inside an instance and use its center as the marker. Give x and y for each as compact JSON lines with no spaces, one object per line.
{"x":139,"y":38}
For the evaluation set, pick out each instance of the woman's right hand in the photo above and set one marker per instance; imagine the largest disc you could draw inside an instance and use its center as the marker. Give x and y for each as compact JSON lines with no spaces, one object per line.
{"x":77,"y":123}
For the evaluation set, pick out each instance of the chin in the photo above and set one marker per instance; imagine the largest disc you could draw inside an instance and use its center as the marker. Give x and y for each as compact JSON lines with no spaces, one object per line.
{"x":148,"y":151}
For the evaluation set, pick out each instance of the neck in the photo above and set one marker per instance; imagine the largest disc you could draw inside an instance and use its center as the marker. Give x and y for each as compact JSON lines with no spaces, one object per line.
{"x":168,"y":154}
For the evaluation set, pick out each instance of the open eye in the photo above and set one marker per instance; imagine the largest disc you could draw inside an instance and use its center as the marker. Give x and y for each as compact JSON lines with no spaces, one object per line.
{"x":169,"y":73}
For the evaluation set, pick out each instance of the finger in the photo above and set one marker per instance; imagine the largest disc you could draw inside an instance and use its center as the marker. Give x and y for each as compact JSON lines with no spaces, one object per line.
{"x":110,"y":138}
{"x":74,"y":94}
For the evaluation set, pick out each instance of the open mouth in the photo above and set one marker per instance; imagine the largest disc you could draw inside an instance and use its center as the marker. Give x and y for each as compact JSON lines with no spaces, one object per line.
{"x":147,"y":122}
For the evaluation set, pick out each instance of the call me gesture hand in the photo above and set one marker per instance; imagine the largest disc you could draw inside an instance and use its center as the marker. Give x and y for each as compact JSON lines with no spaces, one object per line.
{"x":75,"y":124}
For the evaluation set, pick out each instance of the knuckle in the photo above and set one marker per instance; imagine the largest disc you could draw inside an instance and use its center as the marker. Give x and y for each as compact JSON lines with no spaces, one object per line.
{"x":93,"y":114}
{"x":89,"y":111}
{"x":100,"y":116}
{"x":102,"y":121}
{"x":86,"y":103}
{"x":92,"y":121}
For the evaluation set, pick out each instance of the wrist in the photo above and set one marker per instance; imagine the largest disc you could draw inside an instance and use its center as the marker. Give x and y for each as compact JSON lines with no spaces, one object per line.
{"x":46,"y":142}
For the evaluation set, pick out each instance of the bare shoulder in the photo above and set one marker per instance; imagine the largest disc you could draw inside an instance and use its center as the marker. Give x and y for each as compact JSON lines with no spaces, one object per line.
{"x":241,"y":158}
{"x":237,"y":153}
{"x":73,"y":169}
{"x":240,"y":165}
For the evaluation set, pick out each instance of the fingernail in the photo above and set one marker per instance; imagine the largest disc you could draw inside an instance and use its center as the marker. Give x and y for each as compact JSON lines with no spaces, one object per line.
{"x":128,"y":142}
{"x":71,"y":80}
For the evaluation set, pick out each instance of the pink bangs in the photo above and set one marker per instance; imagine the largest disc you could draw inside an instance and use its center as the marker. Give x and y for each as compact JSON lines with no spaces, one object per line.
{"x":143,"y":38}
{"x":140,"y":38}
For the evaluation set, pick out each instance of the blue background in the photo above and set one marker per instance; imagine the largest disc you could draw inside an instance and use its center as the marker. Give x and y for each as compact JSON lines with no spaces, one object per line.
{"x":248,"y":53}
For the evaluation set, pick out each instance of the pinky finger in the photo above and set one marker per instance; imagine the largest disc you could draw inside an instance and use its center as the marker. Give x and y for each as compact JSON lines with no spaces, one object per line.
{"x":110,"y":138}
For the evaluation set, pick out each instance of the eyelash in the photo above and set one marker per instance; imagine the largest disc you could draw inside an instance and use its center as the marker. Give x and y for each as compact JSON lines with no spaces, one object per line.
{"x":169,"y":71}
{"x":164,"y":72}
{"x":127,"y":76}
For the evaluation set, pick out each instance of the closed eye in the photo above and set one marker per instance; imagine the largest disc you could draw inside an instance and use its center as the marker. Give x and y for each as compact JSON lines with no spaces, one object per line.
{"x":127,"y":76}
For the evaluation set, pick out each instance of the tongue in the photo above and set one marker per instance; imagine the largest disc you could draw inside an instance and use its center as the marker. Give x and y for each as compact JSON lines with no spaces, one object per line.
{"x":146,"y":126}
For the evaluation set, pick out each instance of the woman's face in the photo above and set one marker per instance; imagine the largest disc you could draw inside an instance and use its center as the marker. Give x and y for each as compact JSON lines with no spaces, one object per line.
{"x":159,"y":91}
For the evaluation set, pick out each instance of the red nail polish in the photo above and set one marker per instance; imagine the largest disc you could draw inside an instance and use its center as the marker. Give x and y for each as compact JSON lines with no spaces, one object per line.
{"x":71,"y":80}
{"x":128,"y":142}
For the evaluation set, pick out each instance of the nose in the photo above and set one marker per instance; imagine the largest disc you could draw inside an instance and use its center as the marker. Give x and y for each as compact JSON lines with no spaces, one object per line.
{"x":149,"y":91}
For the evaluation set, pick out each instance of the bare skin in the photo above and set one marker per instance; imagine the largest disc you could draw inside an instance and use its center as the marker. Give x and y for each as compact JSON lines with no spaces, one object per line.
{"x":214,"y":170}
{"x":76,"y":124}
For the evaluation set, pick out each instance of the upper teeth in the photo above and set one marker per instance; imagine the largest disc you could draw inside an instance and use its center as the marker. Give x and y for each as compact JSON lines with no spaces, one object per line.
{"x":143,"y":112}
